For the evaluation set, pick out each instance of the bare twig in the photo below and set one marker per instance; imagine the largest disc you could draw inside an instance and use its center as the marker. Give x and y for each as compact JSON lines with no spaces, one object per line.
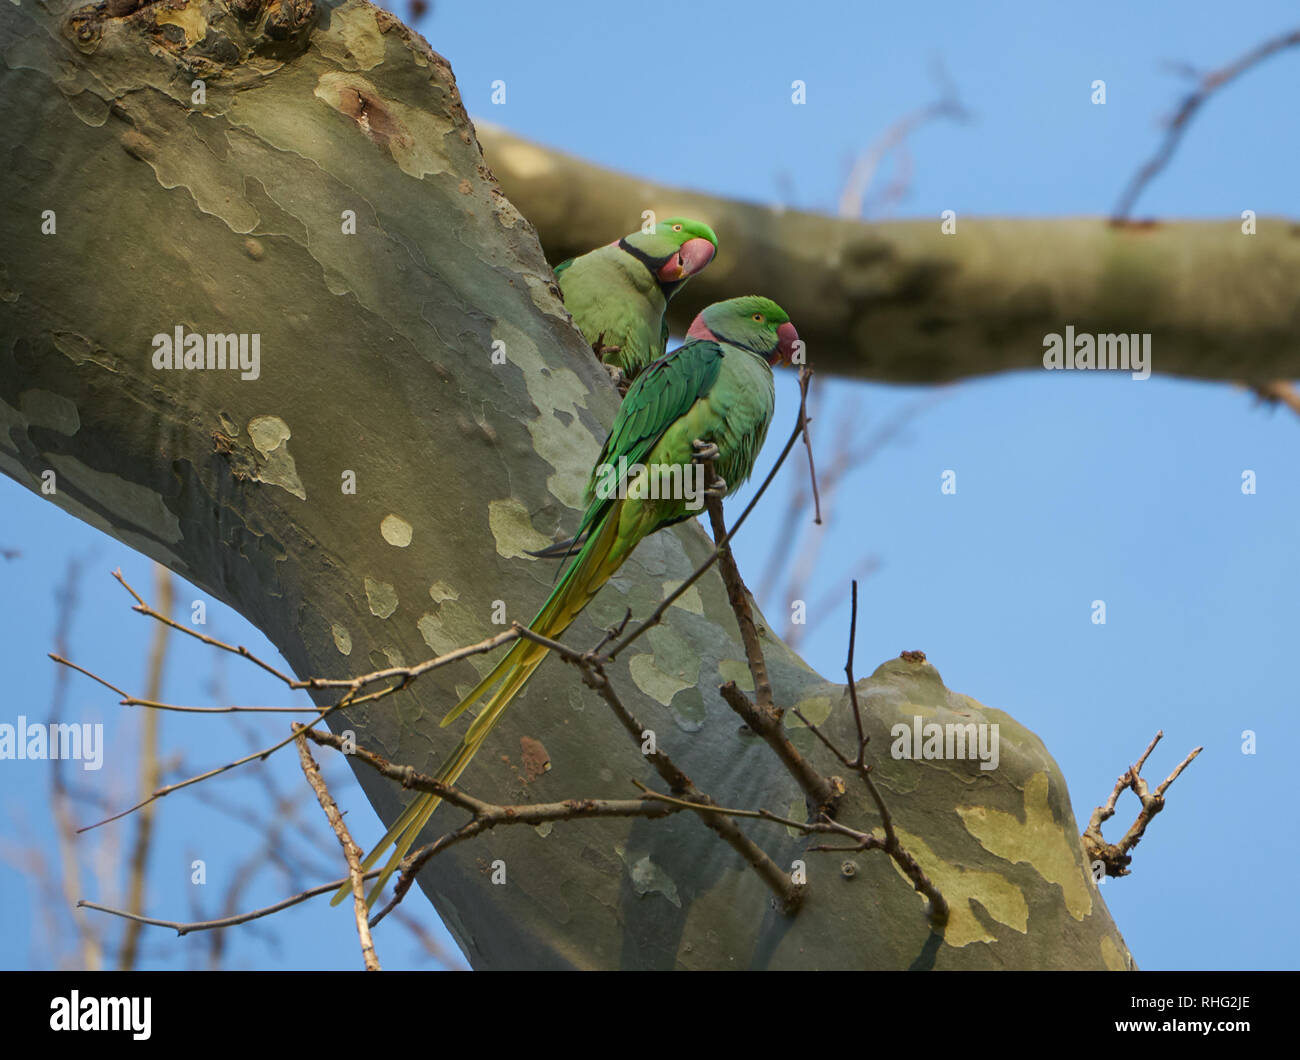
{"x":764,"y":718}
{"x":186,"y":927}
{"x":845,"y":457}
{"x":853,"y":198}
{"x":1192,"y":102}
{"x":400,"y":676}
{"x":1279,"y":392}
{"x":1115,"y":856}
{"x":351,"y":851}
{"x":150,"y":775}
{"x":88,"y":939}
{"x":938,"y":905}
{"x":805,"y":376}
{"x":789,"y":894}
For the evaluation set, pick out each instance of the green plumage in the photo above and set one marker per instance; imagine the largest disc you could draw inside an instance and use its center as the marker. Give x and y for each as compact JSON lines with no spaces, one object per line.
{"x":617,"y":294}
{"x":717,"y":389}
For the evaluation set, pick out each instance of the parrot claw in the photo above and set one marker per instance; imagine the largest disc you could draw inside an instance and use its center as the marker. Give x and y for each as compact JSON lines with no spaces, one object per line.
{"x":616,"y":377}
{"x":704,"y":450}
{"x":716,"y":489}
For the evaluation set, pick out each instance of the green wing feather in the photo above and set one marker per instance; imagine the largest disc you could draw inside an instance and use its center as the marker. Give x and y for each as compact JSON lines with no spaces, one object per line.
{"x":658,"y":397}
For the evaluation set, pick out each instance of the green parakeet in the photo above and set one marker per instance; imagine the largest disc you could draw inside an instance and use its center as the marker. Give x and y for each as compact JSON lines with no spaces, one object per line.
{"x":717,"y":388}
{"x":617,"y":294}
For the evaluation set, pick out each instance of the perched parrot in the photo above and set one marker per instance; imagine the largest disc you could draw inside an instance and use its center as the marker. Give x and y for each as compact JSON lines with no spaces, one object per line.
{"x":717,"y":389}
{"x":617,"y":294}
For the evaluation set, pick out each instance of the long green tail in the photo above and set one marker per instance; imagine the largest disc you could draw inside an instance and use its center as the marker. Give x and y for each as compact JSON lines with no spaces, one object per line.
{"x":593,"y":566}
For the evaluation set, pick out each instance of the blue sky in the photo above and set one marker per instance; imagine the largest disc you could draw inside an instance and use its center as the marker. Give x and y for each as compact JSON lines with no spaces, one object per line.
{"x":1071,"y":488}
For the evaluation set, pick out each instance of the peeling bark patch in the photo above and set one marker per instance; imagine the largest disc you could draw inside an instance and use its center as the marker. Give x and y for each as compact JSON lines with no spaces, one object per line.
{"x":1111,"y":957}
{"x":689,"y":601}
{"x":653,"y":681}
{"x":137,"y":145}
{"x":535,"y":759}
{"x":412,"y":138}
{"x":80,"y":350}
{"x":430,"y":627}
{"x":130,"y":503}
{"x":512,"y":530}
{"x":353,"y":40}
{"x":649,"y":878}
{"x":187,"y":18}
{"x":736,"y":670}
{"x":688,"y":709}
{"x":815,"y":708}
{"x":1001,"y":899}
{"x":381,"y":596}
{"x":562,"y":446}
{"x":357,"y":100}
{"x":1038,"y":840}
{"x":453,"y":626}
{"x":396,"y":530}
{"x":270,"y":436}
{"x":342,"y":639}
{"x":441,"y":591}
{"x":44,"y":408}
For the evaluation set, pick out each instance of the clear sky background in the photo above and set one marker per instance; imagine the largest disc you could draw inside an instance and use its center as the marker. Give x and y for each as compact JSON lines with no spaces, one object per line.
{"x":1071,"y":488}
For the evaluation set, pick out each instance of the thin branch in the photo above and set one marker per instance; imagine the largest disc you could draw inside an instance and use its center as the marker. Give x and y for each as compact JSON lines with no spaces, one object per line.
{"x":1279,"y":392}
{"x":401,"y":676}
{"x":938,"y":905}
{"x":350,"y":850}
{"x":1192,"y":102}
{"x":167,"y":620}
{"x":88,"y":938}
{"x":789,"y":894}
{"x":807,"y":444}
{"x":593,"y":675}
{"x":150,"y":775}
{"x":894,"y":139}
{"x":1115,"y":857}
{"x":185,"y":928}
{"x":765,"y":719}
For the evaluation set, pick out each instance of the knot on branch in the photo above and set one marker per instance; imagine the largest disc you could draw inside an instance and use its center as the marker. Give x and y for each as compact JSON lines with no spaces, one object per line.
{"x":198,"y":35}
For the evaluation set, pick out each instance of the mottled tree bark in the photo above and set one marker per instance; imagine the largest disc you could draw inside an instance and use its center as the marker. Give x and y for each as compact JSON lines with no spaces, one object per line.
{"x":901,"y":301}
{"x":228,"y":216}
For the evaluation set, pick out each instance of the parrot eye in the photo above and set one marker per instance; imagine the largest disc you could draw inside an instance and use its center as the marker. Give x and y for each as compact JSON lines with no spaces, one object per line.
{"x":677,"y":228}
{"x":758,"y":317}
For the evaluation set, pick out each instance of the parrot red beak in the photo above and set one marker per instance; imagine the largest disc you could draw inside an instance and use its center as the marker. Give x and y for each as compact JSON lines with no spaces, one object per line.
{"x":786,"y":338}
{"x":690,"y":259}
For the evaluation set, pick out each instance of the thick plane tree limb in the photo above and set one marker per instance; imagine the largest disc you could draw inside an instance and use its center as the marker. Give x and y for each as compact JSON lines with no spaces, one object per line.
{"x":428,"y":358}
{"x":899,"y":301}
